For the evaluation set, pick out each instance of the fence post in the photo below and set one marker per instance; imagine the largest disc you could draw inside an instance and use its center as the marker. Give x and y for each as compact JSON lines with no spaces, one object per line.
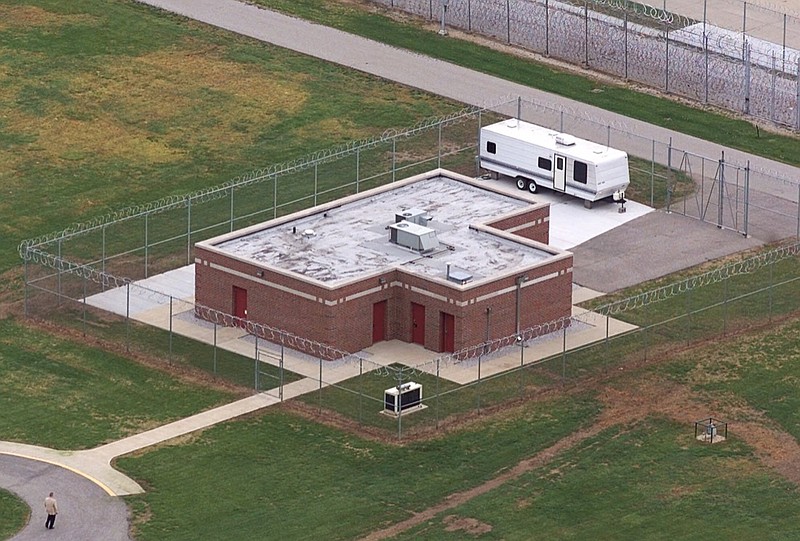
{"x":772,"y":93}
{"x":478,"y":385}
{"x":586,"y":33}
{"x":58,"y":273}
{"x":438,"y":360}
{"x":127,"y":316}
{"x":608,"y":341}
{"x":316,"y":181}
{"x":170,"y":327}
{"x":508,"y":22}
{"x":783,"y":54}
{"x":469,"y":16}
{"x":358,"y":168}
{"x":797,"y":97}
{"x":564,"y":356}
{"x":320,"y":385}
{"x":146,"y":241}
{"x":439,"y":148}
{"x":668,"y":194}
{"x":275,"y":197}
{"x":547,"y":27}
{"x":721,"y":195}
{"x":625,"y":34}
{"x":666,"y":56}
{"x":771,"y":286}
{"x":394,"y":158}
{"x":103,"y":258}
{"x":797,"y":232}
{"x":652,"y":172}
{"x":747,"y":198}
{"x":232,"y":212}
{"x":255,"y":366}
{"x":189,"y":231}
{"x":25,"y":278}
{"x":688,"y":316}
{"x":360,"y":389}
{"x":705,"y":53}
{"x":746,"y":60}
{"x":519,"y":107}
{"x":84,"y":303}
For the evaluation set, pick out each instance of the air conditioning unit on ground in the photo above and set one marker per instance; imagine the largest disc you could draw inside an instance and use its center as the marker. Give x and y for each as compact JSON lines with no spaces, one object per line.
{"x":397,"y":400}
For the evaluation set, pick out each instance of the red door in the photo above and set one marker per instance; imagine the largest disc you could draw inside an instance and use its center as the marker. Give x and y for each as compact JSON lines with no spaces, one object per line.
{"x":417,"y":324}
{"x":240,"y":302}
{"x":447,"y":330}
{"x":379,"y":321}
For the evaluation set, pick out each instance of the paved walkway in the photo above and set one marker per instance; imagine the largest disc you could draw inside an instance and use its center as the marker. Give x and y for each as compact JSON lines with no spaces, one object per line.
{"x":85,"y":480}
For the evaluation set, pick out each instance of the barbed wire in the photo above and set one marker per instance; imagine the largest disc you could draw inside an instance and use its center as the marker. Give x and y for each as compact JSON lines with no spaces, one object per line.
{"x":254,"y":177}
{"x":714,"y":276}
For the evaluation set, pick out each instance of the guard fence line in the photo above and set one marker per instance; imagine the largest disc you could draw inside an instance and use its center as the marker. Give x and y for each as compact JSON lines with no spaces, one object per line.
{"x":716,"y":302}
{"x":665,"y":161}
{"x":685,"y":55}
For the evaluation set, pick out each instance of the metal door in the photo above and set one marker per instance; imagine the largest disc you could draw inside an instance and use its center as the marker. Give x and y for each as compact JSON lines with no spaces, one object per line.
{"x":447,"y":330}
{"x":560,"y":174}
{"x":240,"y":302}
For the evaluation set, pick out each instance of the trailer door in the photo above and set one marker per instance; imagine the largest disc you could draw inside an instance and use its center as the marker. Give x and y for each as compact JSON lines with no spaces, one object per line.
{"x":560,"y":174}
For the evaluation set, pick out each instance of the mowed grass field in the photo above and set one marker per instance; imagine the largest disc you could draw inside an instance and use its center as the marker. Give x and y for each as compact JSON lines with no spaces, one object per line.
{"x":107,"y":104}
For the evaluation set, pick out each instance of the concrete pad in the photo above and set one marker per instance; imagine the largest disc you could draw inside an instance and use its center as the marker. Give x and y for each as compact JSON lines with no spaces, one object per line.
{"x":650,"y":247}
{"x":571,"y":223}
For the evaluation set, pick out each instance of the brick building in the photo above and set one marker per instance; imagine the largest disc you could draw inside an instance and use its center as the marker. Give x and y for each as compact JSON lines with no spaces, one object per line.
{"x":439,"y":259}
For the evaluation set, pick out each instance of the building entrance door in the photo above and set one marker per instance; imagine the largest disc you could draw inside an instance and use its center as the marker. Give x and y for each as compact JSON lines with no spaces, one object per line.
{"x":447,"y":331}
{"x":417,"y":324}
{"x":240,"y":303}
{"x":379,"y":321}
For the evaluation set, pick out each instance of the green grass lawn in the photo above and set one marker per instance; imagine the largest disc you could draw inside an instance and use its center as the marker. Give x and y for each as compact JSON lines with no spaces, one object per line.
{"x":651,"y":480}
{"x":761,"y":370}
{"x":65,"y":395}
{"x":14,"y":513}
{"x":108,"y":104}
{"x":278,"y":476}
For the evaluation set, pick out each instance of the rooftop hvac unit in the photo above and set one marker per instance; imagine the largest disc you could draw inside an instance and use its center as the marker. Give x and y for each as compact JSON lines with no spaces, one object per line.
{"x":399,"y":399}
{"x":415,"y":216}
{"x":565,"y":139}
{"x":417,"y":237}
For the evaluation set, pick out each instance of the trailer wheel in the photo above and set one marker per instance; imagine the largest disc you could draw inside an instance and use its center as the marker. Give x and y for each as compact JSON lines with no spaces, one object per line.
{"x":532,"y":187}
{"x":522,"y":183}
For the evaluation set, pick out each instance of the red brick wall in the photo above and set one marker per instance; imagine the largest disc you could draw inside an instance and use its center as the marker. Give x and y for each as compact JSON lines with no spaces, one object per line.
{"x":533,"y":223}
{"x":348,"y":325}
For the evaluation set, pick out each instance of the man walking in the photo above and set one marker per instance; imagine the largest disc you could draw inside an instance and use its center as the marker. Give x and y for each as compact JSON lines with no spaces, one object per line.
{"x":52,"y":510}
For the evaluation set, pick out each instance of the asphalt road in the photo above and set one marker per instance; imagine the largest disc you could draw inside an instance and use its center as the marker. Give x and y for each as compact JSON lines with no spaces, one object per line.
{"x":86,"y":511}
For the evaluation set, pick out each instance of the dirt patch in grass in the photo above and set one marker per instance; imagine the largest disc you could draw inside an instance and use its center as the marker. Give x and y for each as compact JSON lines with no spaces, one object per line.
{"x":469,"y":526}
{"x":35,"y":17}
{"x":152,"y":109}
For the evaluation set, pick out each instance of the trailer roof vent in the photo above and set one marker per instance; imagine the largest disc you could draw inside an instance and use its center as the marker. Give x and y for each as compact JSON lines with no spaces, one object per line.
{"x":565,"y":139}
{"x":414,"y":236}
{"x":415,"y":216}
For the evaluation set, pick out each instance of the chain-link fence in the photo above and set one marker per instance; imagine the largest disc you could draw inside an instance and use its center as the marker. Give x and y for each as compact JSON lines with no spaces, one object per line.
{"x":679,"y":54}
{"x":92,"y":276}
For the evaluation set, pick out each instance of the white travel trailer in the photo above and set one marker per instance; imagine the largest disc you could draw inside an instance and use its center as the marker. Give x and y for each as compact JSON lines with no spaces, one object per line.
{"x":539,"y":157}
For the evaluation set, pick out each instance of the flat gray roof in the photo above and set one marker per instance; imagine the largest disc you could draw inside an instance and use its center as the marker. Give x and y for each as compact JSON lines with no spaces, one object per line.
{"x":350,"y":237}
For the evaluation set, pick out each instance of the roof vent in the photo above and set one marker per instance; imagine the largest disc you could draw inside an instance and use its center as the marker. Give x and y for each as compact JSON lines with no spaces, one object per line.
{"x":565,"y":139}
{"x":416,"y":237}
{"x":415,"y":216}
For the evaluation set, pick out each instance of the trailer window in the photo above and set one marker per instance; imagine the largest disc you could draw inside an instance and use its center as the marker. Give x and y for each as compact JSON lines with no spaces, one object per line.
{"x":491,"y":148}
{"x":579,"y":172}
{"x":546,"y":164}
